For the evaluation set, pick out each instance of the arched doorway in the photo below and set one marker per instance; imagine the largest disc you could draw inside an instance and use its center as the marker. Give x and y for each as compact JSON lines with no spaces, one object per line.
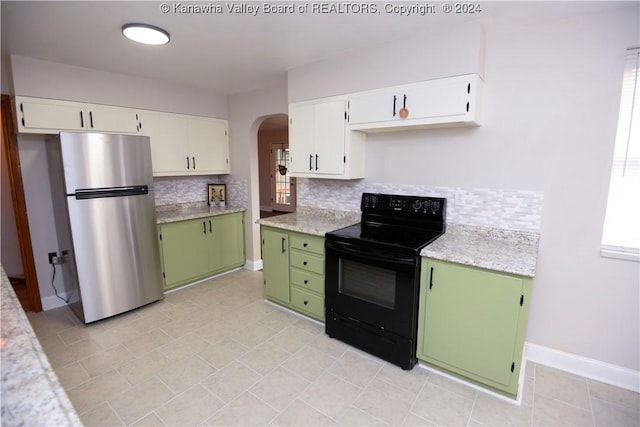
{"x":277,"y":187}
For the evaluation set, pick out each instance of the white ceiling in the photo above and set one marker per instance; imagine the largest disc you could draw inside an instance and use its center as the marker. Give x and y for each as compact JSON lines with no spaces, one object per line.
{"x":227,"y":53}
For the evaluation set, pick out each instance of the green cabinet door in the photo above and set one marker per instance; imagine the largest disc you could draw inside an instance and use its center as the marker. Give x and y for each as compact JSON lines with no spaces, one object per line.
{"x":184,"y":251}
{"x":275,"y":259}
{"x":227,"y":242}
{"x":472,"y":322}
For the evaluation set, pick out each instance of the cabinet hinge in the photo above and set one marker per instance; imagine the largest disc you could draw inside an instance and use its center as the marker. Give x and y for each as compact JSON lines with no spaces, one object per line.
{"x":513,"y":366}
{"x":521,"y":300}
{"x":163,"y":275}
{"x":160,"y":236}
{"x":21,"y":109}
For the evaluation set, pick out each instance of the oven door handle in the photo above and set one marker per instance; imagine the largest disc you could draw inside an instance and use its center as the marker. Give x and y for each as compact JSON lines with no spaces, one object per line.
{"x":368,"y":254}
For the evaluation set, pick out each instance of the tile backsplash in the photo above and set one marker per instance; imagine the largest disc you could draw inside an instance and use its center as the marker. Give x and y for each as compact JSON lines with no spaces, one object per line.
{"x":519,"y":210}
{"x":174,"y":190}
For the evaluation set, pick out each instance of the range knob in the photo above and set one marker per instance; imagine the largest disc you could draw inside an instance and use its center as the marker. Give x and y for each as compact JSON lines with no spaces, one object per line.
{"x":370,"y":201}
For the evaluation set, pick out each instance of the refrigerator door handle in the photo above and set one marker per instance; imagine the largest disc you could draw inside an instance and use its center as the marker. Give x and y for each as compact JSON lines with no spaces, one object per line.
{"x":98,"y":193}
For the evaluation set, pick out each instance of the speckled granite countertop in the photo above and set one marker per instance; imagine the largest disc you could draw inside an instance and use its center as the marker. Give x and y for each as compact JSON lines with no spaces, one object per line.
{"x":494,"y":249}
{"x":172,"y":213}
{"x":31,"y":392}
{"x":312,"y":221}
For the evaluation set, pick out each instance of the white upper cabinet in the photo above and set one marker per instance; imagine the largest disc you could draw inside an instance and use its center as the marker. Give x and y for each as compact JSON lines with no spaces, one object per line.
{"x":186,"y":145}
{"x":320,"y":143}
{"x":49,"y":116}
{"x":168,"y":135}
{"x":209,"y":143}
{"x":453,"y":101}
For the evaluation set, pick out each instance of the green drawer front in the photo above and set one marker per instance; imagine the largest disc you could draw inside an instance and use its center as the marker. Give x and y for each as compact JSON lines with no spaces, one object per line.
{"x":307,"y":280}
{"x":308,"y":262}
{"x":307,"y":302}
{"x":307,"y":243}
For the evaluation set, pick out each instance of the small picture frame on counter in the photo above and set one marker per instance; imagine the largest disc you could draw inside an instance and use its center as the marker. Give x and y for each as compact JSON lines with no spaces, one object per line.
{"x":217,"y":195}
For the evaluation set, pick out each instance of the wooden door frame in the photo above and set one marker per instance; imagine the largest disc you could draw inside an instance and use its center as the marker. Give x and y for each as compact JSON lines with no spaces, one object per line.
{"x":10,"y":142}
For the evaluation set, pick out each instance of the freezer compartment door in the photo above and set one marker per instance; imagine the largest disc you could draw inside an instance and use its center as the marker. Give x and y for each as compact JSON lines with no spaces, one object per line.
{"x":94,"y":160}
{"x":116,"y":253}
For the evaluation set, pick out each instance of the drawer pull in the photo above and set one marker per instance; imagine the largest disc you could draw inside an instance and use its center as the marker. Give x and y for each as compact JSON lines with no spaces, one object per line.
{"x":306,"y":302}
{"x":304,"y":263}
{"x":305,"y":245}
{"x":306,"y":281}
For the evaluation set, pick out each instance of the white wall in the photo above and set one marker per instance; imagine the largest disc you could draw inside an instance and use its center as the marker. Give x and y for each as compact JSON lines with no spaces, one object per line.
{"x":246,"y":113}
{"x":34,"y":77}
{"x":551,"y":102}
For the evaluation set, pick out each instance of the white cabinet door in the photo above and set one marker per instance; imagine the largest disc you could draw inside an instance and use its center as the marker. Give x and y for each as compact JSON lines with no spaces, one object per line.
{"x":301,"y":138}
{"x":320,"y":144}
{"x":209,"y":145}
{"x":169,"y":149}
{"x":46,"y":116}
{"x":99,"y":118}
{"x":441,"y":98}
{"x":330,"y":122}
{"x":373,"y":107}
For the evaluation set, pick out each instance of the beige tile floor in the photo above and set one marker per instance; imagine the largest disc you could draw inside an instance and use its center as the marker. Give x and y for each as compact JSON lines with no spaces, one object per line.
{"x":217,"y":354}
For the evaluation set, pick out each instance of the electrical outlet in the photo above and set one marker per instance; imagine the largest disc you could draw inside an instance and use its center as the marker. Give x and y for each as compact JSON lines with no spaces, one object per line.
{"x":53,"y":257}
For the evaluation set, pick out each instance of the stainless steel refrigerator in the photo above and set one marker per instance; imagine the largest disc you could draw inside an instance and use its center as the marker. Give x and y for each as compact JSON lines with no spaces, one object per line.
{"x":104,"y":209}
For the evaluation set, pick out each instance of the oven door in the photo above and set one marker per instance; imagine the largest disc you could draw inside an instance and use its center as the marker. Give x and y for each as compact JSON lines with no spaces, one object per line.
{"x":372,"y":286}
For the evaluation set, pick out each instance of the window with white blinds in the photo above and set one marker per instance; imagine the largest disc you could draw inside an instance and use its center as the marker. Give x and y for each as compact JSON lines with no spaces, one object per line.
{"x":621,"y":235}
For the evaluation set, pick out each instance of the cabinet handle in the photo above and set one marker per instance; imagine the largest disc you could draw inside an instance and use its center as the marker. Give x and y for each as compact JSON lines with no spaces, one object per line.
{"x":204,"y":227}
{"x":394,"y":105}
{"x":306,"y":281}
{"x":81,"y":120}
{"x":283,"y":240}
{"x":306,"y":302}
{"x":209,"y":226}
{"x":310,"y":161}
{"x":91,"y":119}
{"x":317,"y":157}
{"x":188,"y":163}
{"x":304,"y":262}
{"x":404,"y":102}
{"x":431,"y":279}
{"x":194,"y":163}
{"x":305,"y":245}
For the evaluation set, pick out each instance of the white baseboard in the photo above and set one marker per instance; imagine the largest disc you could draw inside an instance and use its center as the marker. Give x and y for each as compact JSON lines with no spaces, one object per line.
{"x":585,"y":367}
{"x":253,"y":265}
{"x":52,"y":301}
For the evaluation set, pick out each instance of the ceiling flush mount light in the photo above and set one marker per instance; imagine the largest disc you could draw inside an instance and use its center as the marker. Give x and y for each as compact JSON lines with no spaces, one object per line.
{"x":145,"y":33}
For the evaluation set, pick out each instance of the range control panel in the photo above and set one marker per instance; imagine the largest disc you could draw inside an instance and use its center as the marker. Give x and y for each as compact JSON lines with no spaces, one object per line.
{"x":386,"y":203}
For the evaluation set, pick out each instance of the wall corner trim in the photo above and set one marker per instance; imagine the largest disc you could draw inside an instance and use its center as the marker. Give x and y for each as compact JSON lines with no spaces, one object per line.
{"x":253,"y":265}
{"x":590,"y":368}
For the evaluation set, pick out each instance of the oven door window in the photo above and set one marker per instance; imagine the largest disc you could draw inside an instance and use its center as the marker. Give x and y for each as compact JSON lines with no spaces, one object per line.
{"x":369,"y":283}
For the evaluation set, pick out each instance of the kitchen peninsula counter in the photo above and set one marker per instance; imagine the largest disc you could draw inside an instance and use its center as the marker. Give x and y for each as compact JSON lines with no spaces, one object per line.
{"x":489,"y":248}
{"x":181,"y":212}
{"x":312,"y":221}
{"x":31,"y":392}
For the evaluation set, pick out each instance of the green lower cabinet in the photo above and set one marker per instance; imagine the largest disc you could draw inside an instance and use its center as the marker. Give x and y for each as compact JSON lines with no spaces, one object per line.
{"x":275,"y":264}
{"x":472,"y":323}
{"x":293,"y":268}
{"x":195,"y":249}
